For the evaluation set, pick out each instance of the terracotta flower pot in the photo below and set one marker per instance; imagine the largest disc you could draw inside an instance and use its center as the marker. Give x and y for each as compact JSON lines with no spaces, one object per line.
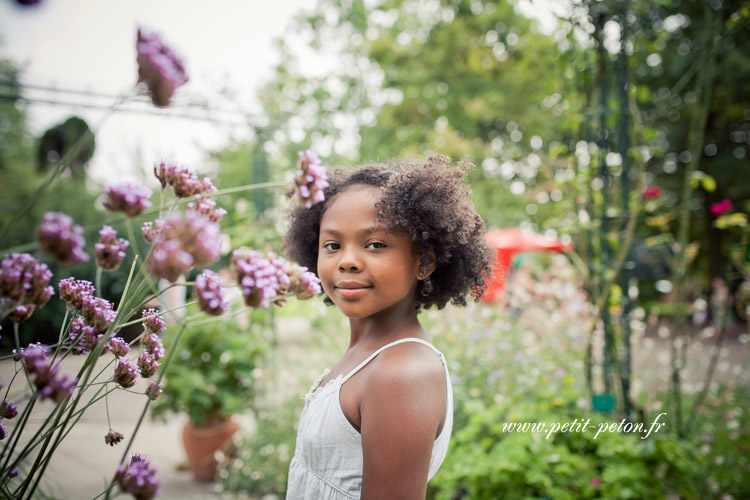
{"x":201,"y":444}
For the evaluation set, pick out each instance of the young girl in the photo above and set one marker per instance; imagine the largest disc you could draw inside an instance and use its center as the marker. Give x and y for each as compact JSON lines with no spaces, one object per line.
{"x":387,"y":241}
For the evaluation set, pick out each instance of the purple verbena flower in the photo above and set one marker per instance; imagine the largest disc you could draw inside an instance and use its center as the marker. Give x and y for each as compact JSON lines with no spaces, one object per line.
{"x":139,"y":478}
{"x":159,"y":67}
{"x":311,"y":179}
{"x":126,"y":372}
{"x":98,"y":313}
{"x":152,"y":344}
{"x":184,"y":181}
{"x":187,"y":240}
{"x":154,"y":390}
{"x":53,"y":386}
{"x":73,"y":291}
{"x":130,"y":199}
{"x":34,"y":357}
{"x":8,"y":409}
{"x":118,"y":346}
{"x":112,"y":438}
{"x":154,"y":324}
{"x":208,"y":208}
{"x":257,"y":277}
{"x":151,"y":229}
{"x":110,"y":250}
{"x":210,"y":294}
{"x":21,"y":313}
{"x":3,"y":432}
{"x":59,"y":236}
{"x":13,"y":472}
{"x":85,"y":338}
{"x":24,"y":285}
{"x":169,"y":260}
{"x":80,"y":334}
{"x":148,"y":364}
{"x":304,"y":284}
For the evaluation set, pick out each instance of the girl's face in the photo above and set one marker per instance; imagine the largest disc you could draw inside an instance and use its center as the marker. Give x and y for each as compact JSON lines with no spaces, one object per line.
{"x":364,"y":270}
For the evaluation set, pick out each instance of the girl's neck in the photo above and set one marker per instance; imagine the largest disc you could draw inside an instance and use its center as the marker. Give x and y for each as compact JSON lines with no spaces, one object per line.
{"x":382,"y":330}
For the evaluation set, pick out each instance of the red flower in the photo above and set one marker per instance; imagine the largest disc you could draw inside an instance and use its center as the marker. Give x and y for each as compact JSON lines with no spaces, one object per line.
{"x":721,"y":207}
{"x":651,"y":192}
{"x":596,"y":482}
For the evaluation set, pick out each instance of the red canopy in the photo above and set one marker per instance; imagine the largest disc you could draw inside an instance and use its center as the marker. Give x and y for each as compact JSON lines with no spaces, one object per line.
{"x":509,"y":242}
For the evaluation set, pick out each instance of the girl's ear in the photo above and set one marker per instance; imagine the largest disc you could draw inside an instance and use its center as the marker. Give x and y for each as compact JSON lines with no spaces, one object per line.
{"x":427,"y":263}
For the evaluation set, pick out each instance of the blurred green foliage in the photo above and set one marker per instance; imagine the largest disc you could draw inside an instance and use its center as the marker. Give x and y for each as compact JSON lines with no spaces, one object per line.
{"x":213,"y":373}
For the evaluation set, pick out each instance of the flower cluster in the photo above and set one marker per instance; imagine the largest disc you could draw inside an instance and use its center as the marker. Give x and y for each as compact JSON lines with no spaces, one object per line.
{"x":151,"y":229}
{"x":184,"y":181}
{"x":159,"y":67}
{"x":118,"y":347}
{"x":59,"y":236}
{"x":8,"y":409}
{"x":109,"y":249}
{"x":264,"y":277}
{"x":154,"y":390}
{"x":130,"y":199}
{"x":24,"y":286}
{"x":47,"y":380}
{"x":126,"y":372}
{"x":721,"y":207}
{"x":303,"y":283}
{"x":96,"y":315}
{"x":210,"y":294}
{"x":139,"y":478}
{"x":151,"y":322}
{"x":112,"y":437}
{"x":185,"y":240}
{"x":153,"y":349}
{"x":651,"y":192}
{"x":311,"y":179}
{"x":257,"y":276}
{"x":73,"y":291}
{"x":208,"y":208}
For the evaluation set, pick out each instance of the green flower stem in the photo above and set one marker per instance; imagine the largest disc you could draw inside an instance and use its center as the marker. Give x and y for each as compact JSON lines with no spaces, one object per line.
{"x":17,"y":338}
{"x":98,"y":281}
{"x":162,"y":371}
{"x":157,"y":314}
{"x":86,"y":371}
{"x":62,"y":333}
{"x":42,"y":433}
{"x":35,"y":467}
{"x":16,"y":433}
{"x":78,"y":414}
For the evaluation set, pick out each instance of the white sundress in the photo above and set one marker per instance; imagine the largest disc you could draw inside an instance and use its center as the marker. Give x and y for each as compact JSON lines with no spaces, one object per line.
{"x":328,"y":462}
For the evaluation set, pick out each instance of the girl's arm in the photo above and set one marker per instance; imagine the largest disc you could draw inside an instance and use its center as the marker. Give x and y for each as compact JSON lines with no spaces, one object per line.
{"x":403,"y":405}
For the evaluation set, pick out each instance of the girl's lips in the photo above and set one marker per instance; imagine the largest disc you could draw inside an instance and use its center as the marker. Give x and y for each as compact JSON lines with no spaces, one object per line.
{"x":352,"y":292}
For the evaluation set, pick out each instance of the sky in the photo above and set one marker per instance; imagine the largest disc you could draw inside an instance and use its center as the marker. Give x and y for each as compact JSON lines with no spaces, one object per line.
{"x":89,"y":45}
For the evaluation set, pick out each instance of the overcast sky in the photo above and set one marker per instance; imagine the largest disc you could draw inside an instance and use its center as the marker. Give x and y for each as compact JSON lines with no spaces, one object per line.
{"x":90,"y":45}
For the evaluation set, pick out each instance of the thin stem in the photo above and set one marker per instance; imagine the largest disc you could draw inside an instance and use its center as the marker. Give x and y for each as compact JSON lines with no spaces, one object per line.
{"x":162,"y":371}
{"x":157,"y":314}
{"x":98,"y":281}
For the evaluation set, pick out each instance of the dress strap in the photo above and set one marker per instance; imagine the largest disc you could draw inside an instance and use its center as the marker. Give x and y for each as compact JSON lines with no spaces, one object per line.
{"x":400,"y":341}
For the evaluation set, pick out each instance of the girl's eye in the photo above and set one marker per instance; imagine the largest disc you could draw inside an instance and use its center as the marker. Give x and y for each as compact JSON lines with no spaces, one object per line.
{"x":375,"y":244}
{"x":331,"y":246}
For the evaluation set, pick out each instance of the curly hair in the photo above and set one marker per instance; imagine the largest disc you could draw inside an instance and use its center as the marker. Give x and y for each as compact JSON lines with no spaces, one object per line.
{"x":430,"y":203}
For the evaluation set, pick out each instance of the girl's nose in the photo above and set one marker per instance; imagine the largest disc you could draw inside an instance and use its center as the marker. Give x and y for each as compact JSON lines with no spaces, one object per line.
{"x":350,"y":260}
